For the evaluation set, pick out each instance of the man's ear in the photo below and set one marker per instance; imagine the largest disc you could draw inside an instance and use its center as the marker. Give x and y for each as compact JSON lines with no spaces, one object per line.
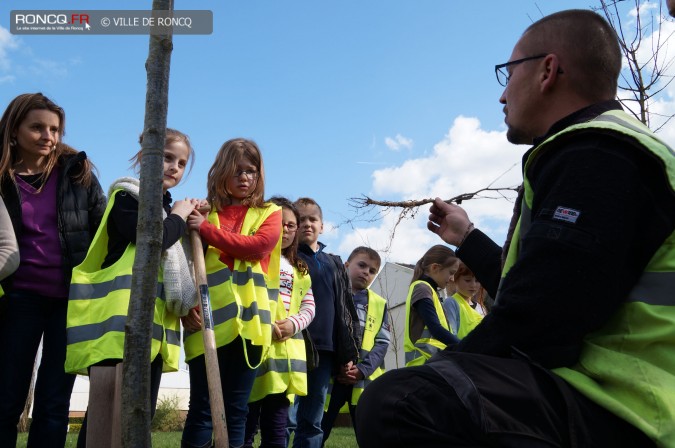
{"x":346,"y":264}
{"x":548,"y":77}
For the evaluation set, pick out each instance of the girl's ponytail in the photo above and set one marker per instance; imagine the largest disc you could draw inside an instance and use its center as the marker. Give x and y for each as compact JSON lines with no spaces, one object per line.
{"x":437,"y":254}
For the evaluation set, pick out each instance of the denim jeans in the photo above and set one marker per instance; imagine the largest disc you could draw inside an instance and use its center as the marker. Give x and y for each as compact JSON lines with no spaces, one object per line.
{"x":26,"y":318}
{"x":309,"y":412}
{"x":236,"y":378}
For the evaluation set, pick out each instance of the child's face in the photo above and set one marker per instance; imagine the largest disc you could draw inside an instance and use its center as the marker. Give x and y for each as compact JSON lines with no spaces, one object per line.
{"x":242,"y":184}
{"x":467,"y":285}
{"x":290,"y":227}
{"x":362,"y":270}
{"x":442,"y":274}
{"x":176,"y":156}
{"x":311,"y":224}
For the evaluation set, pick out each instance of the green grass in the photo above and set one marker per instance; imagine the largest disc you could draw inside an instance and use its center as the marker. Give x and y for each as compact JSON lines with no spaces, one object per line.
{"x":339,"y":438}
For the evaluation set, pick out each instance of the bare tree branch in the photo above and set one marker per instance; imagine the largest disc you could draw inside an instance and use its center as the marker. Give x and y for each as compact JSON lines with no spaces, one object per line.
{"x":644,"y":79}
{"x":410,"y":208}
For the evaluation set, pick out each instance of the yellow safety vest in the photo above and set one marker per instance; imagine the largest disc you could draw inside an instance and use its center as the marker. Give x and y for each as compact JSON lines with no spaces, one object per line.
{"x":285,"y":368}
{"x":377,"y":305}
{"x":469,"y":318}
{"x":98,"y":305}
{"x":422,"y":349}
{"x":627,"y":366}
{"x":242,"y":300}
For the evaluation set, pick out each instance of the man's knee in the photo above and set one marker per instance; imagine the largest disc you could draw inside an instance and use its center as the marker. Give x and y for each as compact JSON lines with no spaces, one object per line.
{"x":396,"y":404}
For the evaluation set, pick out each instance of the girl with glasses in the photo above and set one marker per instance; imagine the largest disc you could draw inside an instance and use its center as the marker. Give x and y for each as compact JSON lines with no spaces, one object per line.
{"x":243,"y":237}
{"x":284,"y":371}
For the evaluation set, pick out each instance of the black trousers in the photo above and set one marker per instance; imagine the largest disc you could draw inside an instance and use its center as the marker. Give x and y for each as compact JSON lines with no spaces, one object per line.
{"x":469,"y":400}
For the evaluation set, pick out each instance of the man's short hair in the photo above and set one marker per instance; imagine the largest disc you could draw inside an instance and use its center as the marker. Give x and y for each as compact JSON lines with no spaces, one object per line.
{"x":370,"y":253}
{"x":587,"y":46}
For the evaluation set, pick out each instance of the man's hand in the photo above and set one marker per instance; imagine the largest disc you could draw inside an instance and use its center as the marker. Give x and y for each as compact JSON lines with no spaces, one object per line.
{"x":449,"y":221}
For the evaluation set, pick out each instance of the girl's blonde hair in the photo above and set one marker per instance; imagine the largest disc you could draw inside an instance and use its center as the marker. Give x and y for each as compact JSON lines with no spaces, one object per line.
{"x":437,"y":254}
{"x":225,"y":166}
{"x":172,"y":136}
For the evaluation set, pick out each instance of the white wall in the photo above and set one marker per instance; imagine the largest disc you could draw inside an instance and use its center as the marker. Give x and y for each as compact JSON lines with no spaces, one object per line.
{"x":392,"y":283}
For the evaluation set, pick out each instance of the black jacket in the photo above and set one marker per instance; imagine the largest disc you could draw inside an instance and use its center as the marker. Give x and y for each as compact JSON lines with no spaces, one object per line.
{"x":570,"y":278}
{"x":347,"y":328}
{"x":335,"y":327}
{"x":80,"y":211}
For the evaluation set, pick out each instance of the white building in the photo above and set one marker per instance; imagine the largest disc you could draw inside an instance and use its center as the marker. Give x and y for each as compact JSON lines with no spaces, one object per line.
{"x":392,"y":283}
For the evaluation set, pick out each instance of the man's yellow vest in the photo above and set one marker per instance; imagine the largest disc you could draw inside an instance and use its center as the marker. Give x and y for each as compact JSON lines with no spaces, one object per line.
{"x":628,"y":365}
{"x":285,"y":368}
{"x":374,"y":320}
{"x":468,"y":317}
{"x":417,"y":353}
{"x":242,"y":300}
{"x":98,"y":305}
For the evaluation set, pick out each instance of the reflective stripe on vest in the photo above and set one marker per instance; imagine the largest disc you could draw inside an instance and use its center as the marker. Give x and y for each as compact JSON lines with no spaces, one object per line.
{"x":242,"y":301}
{"x":627,"y":366}
{"x":417,"y":353}
{"x":374,"y":320}
{"x":98,"y":305}
{"x":285,"y":368}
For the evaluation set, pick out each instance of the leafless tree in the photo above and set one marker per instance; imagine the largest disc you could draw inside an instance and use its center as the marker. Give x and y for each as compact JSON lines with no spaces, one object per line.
{"x":644,"y":45}
{"x":138,"y":331}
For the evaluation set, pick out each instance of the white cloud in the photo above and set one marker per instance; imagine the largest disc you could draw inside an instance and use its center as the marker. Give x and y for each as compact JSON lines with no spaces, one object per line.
{"x":398,"y":142}
{"x":7,"y":42}
{"x":466,"y":159}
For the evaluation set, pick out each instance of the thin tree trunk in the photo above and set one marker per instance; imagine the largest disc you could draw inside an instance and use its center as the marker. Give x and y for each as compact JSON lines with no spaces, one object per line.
{"x":138,"y":331}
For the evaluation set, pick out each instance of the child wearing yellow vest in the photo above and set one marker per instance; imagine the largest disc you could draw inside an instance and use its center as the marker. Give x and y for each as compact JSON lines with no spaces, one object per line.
{"x":426,"y":327}
{"x":459,"y":308}
{"x":96,"y":319}
{"x":243,"y":238}
{"x":362,"y":266}
{"x":284,"y":372}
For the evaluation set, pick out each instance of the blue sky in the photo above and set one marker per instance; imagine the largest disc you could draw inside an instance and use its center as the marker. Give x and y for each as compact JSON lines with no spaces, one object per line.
{"x":393,"y":99}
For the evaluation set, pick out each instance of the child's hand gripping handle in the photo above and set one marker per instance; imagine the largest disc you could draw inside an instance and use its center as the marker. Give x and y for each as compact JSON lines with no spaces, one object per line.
{"x":210,"y":357}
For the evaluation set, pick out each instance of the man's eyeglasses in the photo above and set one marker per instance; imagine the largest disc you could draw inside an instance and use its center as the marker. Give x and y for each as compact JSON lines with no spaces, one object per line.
{"x":250,"y":175}
{"x":503,"y":74}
